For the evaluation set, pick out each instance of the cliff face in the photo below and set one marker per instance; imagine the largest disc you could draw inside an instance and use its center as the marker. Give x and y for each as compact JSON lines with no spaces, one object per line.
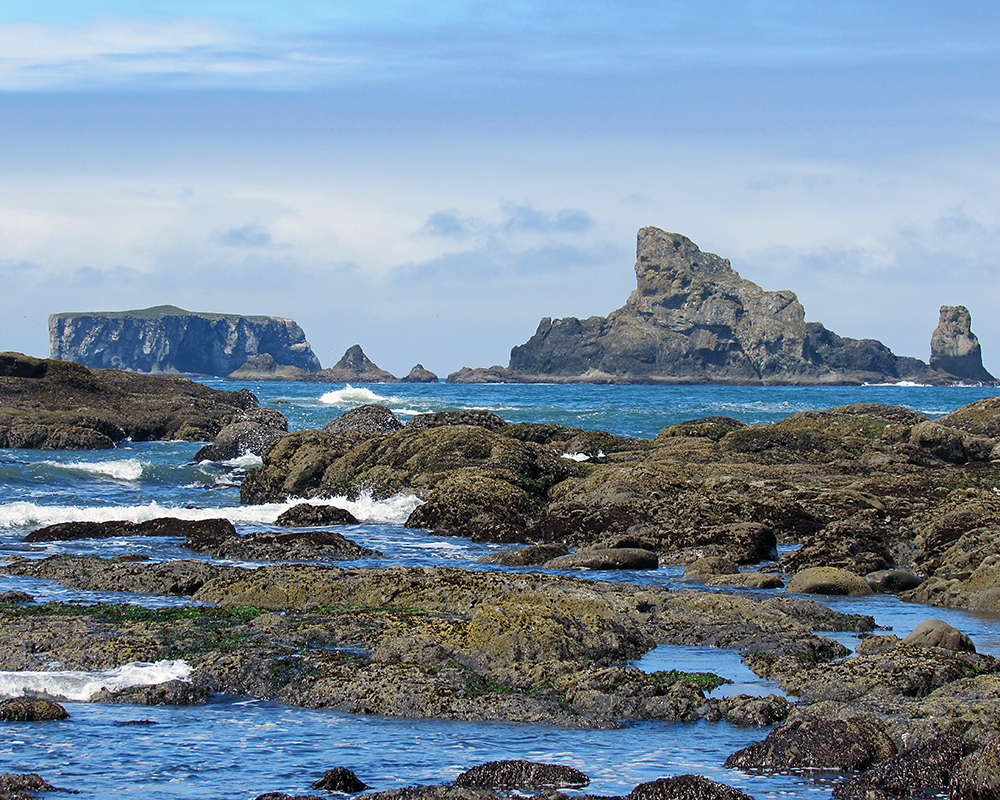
{"x":692,"y":318}
{"x":955,"y":348}
{"x":167,"y":339}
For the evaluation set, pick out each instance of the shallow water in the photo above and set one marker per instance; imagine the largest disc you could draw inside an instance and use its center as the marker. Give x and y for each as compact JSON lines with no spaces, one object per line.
{"x":241,"y":748}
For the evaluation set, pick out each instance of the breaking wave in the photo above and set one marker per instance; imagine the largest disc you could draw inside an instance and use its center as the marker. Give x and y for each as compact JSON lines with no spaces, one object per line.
{"x":392,"y":511}
{"x":81,"y":686}
{"x":351,"y":395}
{"x":129,"y":469}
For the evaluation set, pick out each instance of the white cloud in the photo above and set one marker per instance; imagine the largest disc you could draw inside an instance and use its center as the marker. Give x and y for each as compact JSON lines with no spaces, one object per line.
{"x":186,"y":52}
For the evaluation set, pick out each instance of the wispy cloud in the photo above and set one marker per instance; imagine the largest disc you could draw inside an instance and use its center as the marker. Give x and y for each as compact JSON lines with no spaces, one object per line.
{"x":222,"y":46}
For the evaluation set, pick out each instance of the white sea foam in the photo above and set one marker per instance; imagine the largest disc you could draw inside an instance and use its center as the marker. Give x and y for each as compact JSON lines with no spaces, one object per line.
{"x":901,"y":384}
{"x":129,"y":469}
{"x":247,"y":461}
{"x":80,"y":686}
{"x":392,"y":511}
{"x":576,"y":456}
{"x":350,"y":395}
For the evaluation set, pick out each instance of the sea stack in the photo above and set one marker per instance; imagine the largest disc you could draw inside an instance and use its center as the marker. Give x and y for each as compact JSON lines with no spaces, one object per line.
{"x":955,"y":348}
{"x":354,"y":367}
{"x":170,"y":340}
{"x":693,"y":319}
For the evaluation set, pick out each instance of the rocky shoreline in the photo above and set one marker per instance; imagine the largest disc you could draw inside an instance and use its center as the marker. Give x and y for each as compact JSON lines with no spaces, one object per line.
{"x":877,"y":498}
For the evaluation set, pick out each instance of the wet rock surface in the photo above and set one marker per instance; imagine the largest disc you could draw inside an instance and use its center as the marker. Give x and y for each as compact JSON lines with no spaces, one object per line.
{"x":522,"y":776}
{"x":31,"y":709}
{"x":59,"y":405}
{"x":340,"y":779}
{"x":305,"y":515}
{"x":810,"y":743}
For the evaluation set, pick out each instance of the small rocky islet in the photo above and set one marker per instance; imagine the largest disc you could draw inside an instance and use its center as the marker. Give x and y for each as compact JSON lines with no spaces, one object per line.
{"x":874,"y":496}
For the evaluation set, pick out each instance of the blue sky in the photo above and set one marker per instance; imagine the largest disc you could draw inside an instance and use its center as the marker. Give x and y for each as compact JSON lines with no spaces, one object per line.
{"x":429,"y":179}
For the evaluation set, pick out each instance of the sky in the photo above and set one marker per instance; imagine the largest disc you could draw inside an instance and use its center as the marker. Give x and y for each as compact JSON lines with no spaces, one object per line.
{"x":430,"y":179}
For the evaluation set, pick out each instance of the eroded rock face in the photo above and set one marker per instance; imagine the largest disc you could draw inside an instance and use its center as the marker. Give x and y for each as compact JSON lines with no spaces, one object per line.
{"x":955,"y":348}
{"x":167,"y":339}
{"x":692,"y":318}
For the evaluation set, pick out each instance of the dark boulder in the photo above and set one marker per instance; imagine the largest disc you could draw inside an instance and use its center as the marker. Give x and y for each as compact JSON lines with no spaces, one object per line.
{"x":292,"y":546}
{"x":368,"y":419}
{"x":607,"y":558}
{"x":113,"y":529}
{"x":522,"y":775}
{"x":15,"y":786}
{"x":892,"y":581}
{"x":813,"y":743}
{"x":685,"y":787}
{"x":526,"y":556}
{"x":306,"y":515}
{"x":15,"y":597}
{"x":340,"y":779}
{"x":31,"y":709}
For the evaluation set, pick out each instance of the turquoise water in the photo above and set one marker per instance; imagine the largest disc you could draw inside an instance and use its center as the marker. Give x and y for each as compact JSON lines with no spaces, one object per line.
{"x":240,"y":748}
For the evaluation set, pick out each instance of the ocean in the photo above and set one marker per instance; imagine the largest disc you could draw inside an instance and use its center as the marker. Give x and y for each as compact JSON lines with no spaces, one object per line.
{"x":239,"y":747}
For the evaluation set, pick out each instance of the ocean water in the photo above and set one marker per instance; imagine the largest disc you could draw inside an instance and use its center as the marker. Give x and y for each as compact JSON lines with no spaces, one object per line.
{"x":239,"y":747}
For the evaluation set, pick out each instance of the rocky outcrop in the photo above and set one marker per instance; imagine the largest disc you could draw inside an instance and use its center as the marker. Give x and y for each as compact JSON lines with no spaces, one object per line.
{"x":693,"y":319}
{"x":265,"y":368}
{"x":249,"y":433}
{"x":59,"y":405}
{"x":419,"y":375}
{"x":955,"y":348}
{"x":354,"y":367}
{"x":167,"y":339}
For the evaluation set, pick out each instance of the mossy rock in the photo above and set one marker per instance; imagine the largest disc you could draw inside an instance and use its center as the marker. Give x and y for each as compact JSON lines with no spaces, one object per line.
{"x":828,"y":580}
